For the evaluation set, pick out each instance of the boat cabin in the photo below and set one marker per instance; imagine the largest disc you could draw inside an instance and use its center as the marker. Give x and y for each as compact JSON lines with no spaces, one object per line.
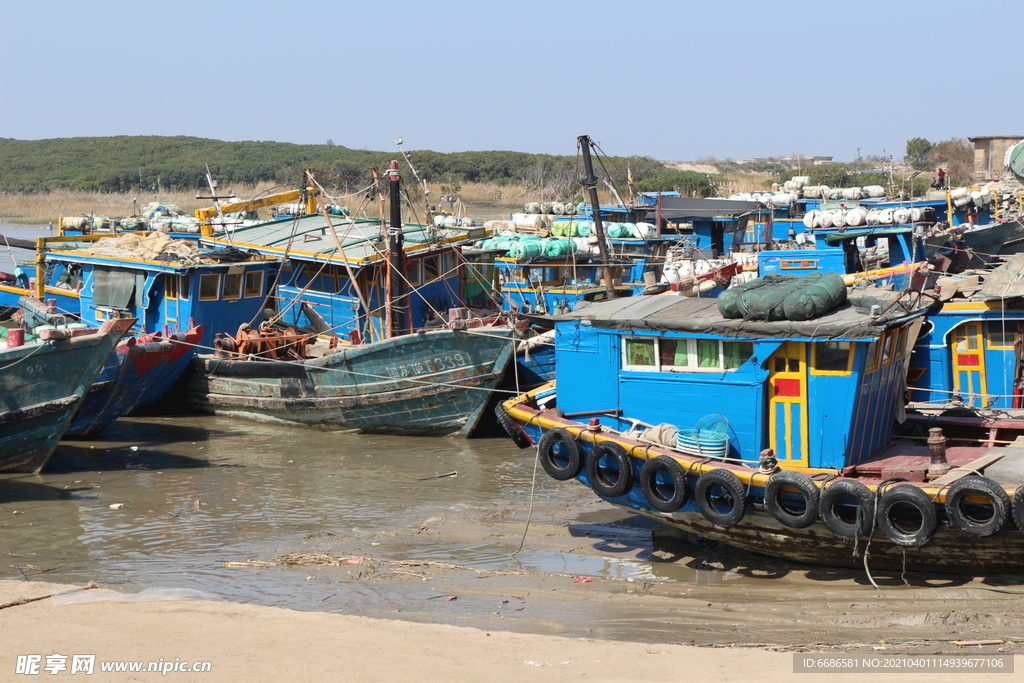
{"x":970,"y":352}
{"x":164,"y":294}
{"x":333,"y":278}
{"x":820,"y":393}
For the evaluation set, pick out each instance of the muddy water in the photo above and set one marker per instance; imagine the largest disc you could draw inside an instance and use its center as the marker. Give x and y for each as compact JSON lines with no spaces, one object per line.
{"x":216,"y":505}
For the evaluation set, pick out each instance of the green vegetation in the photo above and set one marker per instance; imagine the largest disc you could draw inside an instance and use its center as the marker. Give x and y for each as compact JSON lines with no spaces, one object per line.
{"x":918,"y":150}
{"x":141,"y":163}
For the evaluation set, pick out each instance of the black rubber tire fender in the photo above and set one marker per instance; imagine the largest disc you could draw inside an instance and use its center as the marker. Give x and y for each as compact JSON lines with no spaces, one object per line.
{"x":655,"y":493}
{"x":603,"y":484}
{"x":865,"y":500}
{"x":773,"y":500}
{"x":982,"y":486}
{"x":910,"y":495}
{"x":512,"y":428}
{"x":1018,"y":509}
{"x":732,"y":486}
{"x":558,"y":444}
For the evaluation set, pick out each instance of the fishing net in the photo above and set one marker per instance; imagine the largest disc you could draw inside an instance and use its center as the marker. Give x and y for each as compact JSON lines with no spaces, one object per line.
{"x":784,"y":297}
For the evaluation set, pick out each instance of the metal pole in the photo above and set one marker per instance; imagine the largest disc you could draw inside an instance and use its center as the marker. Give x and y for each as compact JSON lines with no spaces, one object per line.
{"x":396,"y":258}
{"x":590,"y":183}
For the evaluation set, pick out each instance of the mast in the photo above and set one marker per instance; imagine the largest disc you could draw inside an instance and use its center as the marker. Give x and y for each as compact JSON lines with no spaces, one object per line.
{"x":397,"y":295}
{"x":590,"y":183}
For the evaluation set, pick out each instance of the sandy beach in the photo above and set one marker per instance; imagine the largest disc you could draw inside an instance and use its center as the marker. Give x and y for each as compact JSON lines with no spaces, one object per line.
{"x":251,"y":643}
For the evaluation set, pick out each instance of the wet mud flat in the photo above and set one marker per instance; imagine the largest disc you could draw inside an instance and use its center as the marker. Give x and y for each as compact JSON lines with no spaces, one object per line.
{"x":447,"y":531}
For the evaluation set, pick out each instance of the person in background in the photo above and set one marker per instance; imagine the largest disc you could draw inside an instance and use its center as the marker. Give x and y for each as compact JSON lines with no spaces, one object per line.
{"x":940,"y":180}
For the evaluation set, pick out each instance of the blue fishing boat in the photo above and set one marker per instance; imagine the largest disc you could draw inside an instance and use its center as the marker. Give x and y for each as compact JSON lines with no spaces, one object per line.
{"x":773,"y":436}
{"x":43,"y":385}
{"x":139,"y":372}
{"x":404,"y":355}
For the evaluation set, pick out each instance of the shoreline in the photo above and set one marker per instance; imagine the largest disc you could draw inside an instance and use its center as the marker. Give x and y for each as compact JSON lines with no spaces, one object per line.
{"x":254,"y":643}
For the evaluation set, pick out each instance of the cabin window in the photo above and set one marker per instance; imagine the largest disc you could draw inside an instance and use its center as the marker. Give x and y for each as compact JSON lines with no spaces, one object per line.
{"x":707,"y":353}
{"x":872,"y":361}
{"x":170,"y":286}
{"x":685,"y":355}
{"x":831,"y":358}
{"x":673,"y":353}
{"x":640,"y":352}
{"x":233,"y":286}
{"x":209,"y":286}
{"x":890,"y":338}
{"x":185,"y":282}
{"x":1001,"y":335}
{"x":431,"y":266}
{"x":736,"y":354}
{"x":412,"y":271}
{"x":448,"y":263}
{"x":254,"y":283}
{"x":968,"y":342}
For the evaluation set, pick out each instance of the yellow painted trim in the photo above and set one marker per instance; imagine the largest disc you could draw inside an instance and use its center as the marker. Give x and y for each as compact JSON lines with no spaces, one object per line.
{"x":832,"y":373}
{"x":968,"y":306}
{"x":960,"y":333}
{"x":790,"y":350}
{"x":49,"y":290}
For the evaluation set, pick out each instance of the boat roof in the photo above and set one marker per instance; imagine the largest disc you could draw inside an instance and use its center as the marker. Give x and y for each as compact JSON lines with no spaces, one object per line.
{"x":678,"y":208}
{"x":672,"y":313}
{"x":837,"y":237}
{"x":362,"y":240}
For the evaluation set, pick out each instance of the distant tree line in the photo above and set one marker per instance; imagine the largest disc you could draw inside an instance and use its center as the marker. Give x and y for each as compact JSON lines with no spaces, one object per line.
{"x":142,"y":163}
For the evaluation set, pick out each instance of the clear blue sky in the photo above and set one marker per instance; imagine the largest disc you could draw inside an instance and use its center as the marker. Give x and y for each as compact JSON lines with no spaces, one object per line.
{"x":669,"y":79}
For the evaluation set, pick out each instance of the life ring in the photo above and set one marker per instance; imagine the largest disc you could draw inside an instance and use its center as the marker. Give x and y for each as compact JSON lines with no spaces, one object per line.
{"x":1018,"y":508}
{"x":787,"y":512}
{"x":559,"y":454}
{"x":512,"y":428}
{"x":964,"y":516}
{"x":721,"y":488}
{"x":898,"y":526}
{"x":610,"y":482}
{"x":663,"y":482}
{"x":836,"y":513}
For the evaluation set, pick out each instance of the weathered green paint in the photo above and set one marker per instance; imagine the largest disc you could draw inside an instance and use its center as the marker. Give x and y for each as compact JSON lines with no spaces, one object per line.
{"x":426,"y":383}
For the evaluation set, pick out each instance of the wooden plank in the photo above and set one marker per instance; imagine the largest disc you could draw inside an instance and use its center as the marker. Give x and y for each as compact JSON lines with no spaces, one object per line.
{"x":964,"y":470}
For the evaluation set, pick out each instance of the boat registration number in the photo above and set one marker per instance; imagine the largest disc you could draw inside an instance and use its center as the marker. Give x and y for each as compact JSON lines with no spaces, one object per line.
{"x":436,"y":364}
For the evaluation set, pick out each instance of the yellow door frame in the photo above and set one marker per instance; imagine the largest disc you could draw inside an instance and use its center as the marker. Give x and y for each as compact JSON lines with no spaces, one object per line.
{"x":787,"y":384}
{"x":968,"y":345}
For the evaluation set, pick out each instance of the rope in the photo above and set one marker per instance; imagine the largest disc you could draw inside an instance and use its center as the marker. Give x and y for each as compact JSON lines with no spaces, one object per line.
{"x":36,"y":350}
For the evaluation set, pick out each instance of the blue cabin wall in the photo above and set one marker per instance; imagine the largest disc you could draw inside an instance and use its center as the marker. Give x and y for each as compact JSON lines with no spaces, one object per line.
{"x":225,"y":305}
{"x":590,"y":360}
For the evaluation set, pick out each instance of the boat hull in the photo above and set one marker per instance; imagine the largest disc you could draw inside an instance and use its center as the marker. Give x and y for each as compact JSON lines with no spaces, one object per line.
{"x":41,"y":388}
{"x":947,"y":550}
{"x":432,"y":383}
{"x":136,"y":375}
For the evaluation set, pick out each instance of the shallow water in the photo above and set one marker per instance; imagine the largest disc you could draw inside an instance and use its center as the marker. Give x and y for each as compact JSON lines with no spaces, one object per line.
{"x":214,"y":504}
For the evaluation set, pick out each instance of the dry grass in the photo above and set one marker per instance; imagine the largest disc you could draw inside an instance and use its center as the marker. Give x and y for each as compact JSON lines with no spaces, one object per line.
{"x":484,"y":200}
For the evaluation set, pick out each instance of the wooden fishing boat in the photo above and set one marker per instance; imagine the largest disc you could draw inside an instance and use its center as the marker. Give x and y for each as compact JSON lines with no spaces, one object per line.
{"x":774,"y":437}
{"x":390,"y":366}
{"x":43,"y":386}
{"x":430,"y":383}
